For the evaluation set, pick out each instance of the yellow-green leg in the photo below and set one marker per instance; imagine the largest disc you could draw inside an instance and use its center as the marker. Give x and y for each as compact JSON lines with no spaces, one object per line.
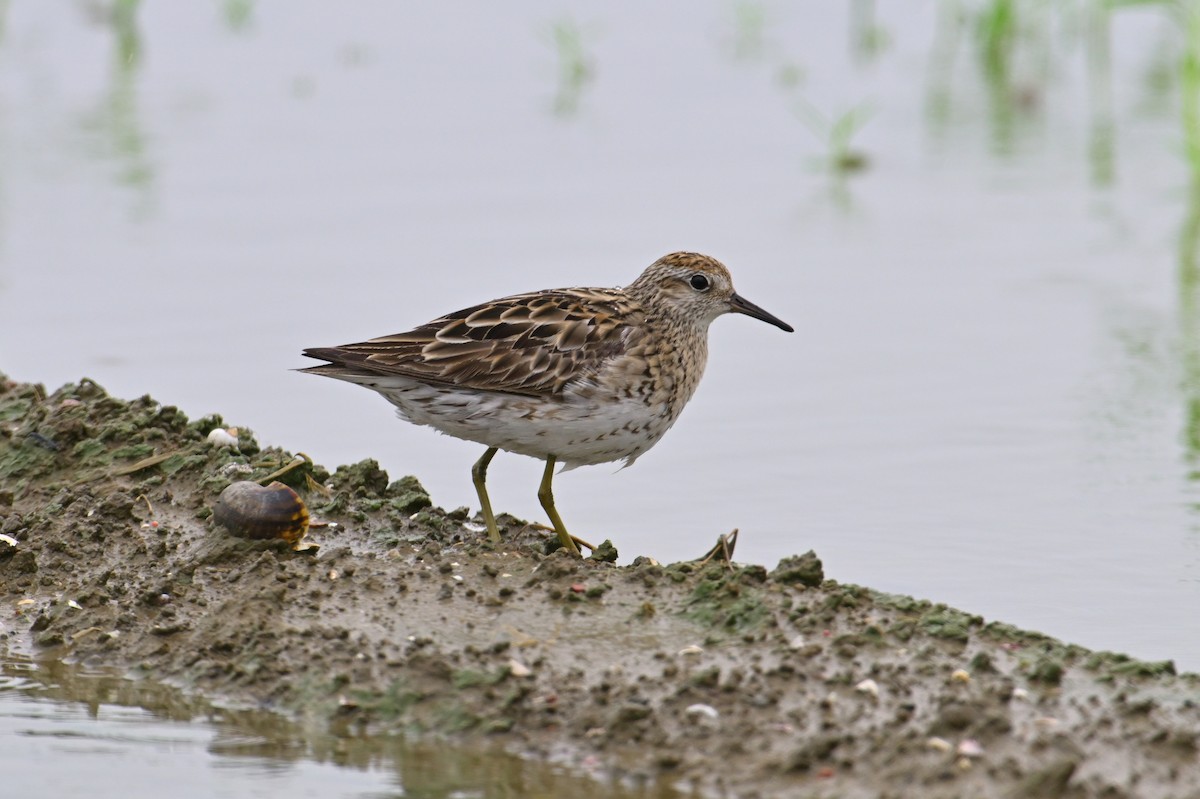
{"x":547,"y":499}
{"x":479,"y":478}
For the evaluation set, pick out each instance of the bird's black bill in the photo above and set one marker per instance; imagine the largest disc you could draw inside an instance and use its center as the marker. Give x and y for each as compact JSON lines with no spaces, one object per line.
{"x":740,"y":304}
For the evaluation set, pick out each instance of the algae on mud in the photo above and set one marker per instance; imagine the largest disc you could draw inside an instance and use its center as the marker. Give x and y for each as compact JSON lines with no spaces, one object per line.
{"x":725,"y":679}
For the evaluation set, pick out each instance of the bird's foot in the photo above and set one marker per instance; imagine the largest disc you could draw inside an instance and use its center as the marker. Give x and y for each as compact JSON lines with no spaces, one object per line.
{"x":576,"y":540}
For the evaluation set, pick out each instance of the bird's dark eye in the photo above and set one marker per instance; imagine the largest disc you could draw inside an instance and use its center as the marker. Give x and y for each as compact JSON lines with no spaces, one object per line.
{"x":699,"y":282}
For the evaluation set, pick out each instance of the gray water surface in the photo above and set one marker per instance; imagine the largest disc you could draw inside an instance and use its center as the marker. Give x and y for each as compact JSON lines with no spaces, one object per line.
{"x":988,"y":397}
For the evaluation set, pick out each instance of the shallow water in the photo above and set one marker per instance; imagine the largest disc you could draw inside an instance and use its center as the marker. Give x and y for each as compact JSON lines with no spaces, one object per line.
{"x":70,"y":732}
{"x":988,"y":397}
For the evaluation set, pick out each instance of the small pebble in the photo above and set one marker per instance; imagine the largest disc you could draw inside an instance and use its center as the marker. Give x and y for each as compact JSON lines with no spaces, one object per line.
{"x":518,"y":669}
{"x":938,"y":744}
{"x":960,"y":675}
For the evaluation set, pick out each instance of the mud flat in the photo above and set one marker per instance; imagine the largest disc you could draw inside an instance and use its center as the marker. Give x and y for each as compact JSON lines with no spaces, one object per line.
{"x":709,"y":680}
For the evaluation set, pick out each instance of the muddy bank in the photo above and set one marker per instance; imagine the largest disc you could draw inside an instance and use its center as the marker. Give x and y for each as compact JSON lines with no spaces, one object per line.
{"x":724,"y":681}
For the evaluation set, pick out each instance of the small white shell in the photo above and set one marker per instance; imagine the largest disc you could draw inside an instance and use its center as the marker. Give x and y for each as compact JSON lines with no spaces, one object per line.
{"x":707,"y":711}
{"x":868,"y":687}
{"x":518,"y":669}
{"x":960,"y":675}
{"x":938,"y":744}
{"x":223,"y":438}
{"x":969,"y":747}
{"x":8,"y":539}
{"x":691,"y":650}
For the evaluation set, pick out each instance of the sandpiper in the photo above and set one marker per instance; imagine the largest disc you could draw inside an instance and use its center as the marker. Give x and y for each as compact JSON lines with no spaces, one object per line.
{"x":576,"y":376}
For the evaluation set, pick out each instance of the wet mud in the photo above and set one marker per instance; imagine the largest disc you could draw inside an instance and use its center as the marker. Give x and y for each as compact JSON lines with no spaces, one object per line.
{"x":396,"y":616}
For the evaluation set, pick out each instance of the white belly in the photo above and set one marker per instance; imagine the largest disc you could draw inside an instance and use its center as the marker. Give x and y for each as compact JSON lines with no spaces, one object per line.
{"x":577,"y":430}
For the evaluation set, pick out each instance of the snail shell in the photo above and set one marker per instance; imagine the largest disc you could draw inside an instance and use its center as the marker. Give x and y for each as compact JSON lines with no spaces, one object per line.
{"x":248,"y":510}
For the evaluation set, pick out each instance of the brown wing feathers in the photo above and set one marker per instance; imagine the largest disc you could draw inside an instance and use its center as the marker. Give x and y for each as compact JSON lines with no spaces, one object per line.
{"x":569,"y":334}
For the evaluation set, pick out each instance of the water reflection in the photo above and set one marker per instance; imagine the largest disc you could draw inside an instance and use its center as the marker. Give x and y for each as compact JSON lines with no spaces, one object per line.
{"x":835,"y":129}
{"x":238,"y":14}
{"x":868,"y":38}
{"x":1189,"y":239}
{"x":575,"y":66}
{"x":115,"y":124}
{"x":1102,"y":129}
{"x":62,"y":715}
{"x":750,"y":21}
{"x":1189,"y":323}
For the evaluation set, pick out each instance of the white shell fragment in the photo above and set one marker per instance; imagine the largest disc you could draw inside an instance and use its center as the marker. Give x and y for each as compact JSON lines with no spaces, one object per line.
{"x":938,"y":744}
{"x":702,"y":710}
{"x":969,"y":747}
{"x":8,"y":539}
{"x":868,"y":687}
{"x":960,"y":675}
{"x":223,"y":438}
{"x":691,"y":650}
{"x":473,"y":527}
{"x":518,"y":669}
